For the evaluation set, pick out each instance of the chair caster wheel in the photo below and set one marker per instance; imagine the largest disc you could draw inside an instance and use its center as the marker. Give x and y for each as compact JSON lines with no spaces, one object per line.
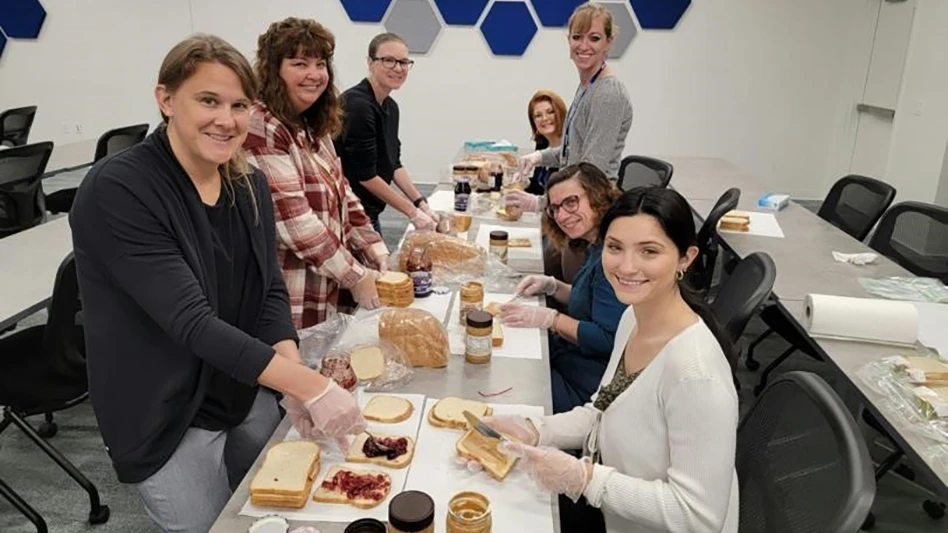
{"x":934,"y":509}
{"x":47,"y":430}
{"x":100,"y":517}
{"x":752,"y":365}
{"x":869,"y":522}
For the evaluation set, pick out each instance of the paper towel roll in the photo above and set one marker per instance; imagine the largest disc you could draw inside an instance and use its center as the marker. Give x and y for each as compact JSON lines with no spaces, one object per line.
{"x":864,"y":319}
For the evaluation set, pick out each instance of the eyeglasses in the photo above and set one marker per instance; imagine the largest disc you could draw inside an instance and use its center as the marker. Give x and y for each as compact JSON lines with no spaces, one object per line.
{"x":390,"y":62}
{"x":570,"y":205}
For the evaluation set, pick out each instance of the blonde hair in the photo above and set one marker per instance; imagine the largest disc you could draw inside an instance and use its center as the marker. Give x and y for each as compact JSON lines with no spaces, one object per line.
{"x":181,"y":62}
{"x":559,"y":109}
{"x":582,"y":18}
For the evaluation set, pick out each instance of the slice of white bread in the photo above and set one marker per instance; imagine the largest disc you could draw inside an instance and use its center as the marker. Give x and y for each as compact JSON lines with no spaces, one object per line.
{"x":286,"y":477}
{"x":356,"y":455}
{"x":367,"y":362}
{"x":448,"y":412}
{"x":324,"y":494}
{"x":476,"y":447}
{"x":388,"y":409}
{"x":393,"y":278}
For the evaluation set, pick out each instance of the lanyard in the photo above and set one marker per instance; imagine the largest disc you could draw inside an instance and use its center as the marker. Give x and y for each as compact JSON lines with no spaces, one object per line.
{"x":572,"y":112}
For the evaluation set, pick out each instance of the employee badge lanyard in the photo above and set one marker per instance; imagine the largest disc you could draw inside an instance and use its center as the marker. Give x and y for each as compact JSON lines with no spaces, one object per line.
{"x":572,"y":111}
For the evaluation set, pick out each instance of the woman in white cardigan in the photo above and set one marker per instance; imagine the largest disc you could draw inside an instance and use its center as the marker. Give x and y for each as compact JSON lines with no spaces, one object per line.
{"x":659,"y":436}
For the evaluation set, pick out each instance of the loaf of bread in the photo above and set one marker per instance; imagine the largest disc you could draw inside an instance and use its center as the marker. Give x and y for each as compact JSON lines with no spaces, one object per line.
{"x":286,"y":477}
{"x":445,"y":252}
{"x":418,"y":334}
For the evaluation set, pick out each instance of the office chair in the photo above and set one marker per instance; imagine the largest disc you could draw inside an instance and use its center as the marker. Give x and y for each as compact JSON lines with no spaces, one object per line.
{"x":22,"y":204}
{"x":915,"y":235}
{"x":641,"y":171}
{"x":15,"y":125}
{"x":701,"y":274}
{"x":742,"y":293}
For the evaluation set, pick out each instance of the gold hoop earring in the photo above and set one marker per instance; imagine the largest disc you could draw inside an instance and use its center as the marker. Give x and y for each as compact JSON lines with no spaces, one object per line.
{"x":680,"y":275}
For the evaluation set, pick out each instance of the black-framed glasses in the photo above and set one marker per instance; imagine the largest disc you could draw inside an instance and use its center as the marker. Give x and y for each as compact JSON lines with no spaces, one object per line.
{"x":390,"y":62}
{"x":570,"y":205}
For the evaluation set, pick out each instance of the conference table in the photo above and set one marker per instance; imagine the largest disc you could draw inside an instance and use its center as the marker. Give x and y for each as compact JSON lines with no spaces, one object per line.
{"x":29,"y":261}
{"x":805,"y":265}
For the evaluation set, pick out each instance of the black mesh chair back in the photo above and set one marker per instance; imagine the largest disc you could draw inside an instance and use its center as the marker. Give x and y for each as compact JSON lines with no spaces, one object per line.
{"x":119,"y":139}
{"x":702,"y":271}
{"x":855,"y":203}
{"x":641,"y":171}
{"x":15,"y":125}
{"x":914,"y":235}
{"x":802,"y":463}
{"x":22,"y":203}
{"x":749,"y":284}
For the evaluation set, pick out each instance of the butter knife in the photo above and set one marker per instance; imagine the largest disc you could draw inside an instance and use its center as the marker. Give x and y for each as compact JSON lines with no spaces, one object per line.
{"x":482,"y":428}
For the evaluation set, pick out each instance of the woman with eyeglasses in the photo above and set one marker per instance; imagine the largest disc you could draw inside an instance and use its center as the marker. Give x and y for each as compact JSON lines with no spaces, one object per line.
{"x":546,"y":112}
{"x":600,"y":116}
{"x":369,"y":145}
{"x":329,"y":251}
{"x":582,"y":337}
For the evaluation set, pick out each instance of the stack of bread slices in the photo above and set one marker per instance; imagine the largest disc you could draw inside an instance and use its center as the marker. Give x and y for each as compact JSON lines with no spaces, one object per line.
{"x":395,"y":289}
{"x":287,"y":475}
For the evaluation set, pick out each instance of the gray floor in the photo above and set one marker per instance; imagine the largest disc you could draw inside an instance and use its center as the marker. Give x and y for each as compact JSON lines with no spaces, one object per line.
{"x":65,"y":506}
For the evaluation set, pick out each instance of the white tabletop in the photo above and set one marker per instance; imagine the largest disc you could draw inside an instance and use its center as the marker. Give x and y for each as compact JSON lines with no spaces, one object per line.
{"x":29,"y":261}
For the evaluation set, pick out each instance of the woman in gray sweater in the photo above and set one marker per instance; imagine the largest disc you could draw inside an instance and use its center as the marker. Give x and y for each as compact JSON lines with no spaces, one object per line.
{"x":600,"y":115}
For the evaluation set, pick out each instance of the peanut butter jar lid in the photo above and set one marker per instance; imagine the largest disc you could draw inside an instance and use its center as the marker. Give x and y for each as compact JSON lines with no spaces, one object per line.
{"x":411,"y":510}
{"x":366,"y":525}
{"x":498,"y":235}
{"x":479,"y":319}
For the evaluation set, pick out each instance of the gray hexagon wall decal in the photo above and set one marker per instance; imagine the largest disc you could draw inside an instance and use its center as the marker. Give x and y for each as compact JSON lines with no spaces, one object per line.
{"x":21,"y":19}
{"x":508,"y":28}
{"x":555,"y":13}
{"x":416,"y":22}
{"x":365,"y":10}
{"x":659,"y":14}
{"x":622,"y":17}
{"x":461,"y":12}
{"x":3,"y":43}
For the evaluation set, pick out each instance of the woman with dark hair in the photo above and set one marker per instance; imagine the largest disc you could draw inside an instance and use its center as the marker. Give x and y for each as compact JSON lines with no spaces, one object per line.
{"x":326,"y":241}
{"x":582,"y":336}
{"x":669,"y":382}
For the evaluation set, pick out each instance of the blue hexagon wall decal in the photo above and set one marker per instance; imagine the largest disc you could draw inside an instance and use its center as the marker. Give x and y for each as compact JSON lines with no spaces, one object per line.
{"x":365,"y":10}
{"x":461,"y":12}
{"x":659,"y":14}
{"x":22,"y":19}
{"x":508,"y":28}
{"x":555,"y":13}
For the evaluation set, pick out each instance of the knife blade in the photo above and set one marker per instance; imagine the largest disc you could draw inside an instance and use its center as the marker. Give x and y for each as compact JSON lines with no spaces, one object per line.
{"x":482,"y":428}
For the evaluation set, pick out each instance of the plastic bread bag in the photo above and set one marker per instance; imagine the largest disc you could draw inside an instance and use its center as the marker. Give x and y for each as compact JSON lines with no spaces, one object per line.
{"x":379,"y":365}
{"x":906,"y":288}
{"x":452,"y":258}
{"x":417,"y":333}
{"x":905,"y":403}
{"x":316,"y":340}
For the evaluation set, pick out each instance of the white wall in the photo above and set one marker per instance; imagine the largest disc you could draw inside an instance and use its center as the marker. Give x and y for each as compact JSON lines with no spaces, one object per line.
{"x":771,"y":86}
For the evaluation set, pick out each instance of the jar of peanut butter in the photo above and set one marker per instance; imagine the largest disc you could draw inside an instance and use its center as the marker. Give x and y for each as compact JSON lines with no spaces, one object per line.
{"x":469,"y":512}
{"x":411,"y":511}
{"x":478,"y":345}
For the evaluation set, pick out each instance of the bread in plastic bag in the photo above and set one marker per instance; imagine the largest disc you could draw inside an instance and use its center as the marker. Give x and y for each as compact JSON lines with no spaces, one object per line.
{"x":379,"y":365}
{"x":446,"y":252}
{"x":418,"y":333}
{"x":903,"y":401}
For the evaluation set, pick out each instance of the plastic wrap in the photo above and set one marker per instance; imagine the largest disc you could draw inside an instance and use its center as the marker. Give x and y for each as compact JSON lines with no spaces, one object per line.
{"x":902,"y":401}
{"x":396,"y":370}
{"x":417,"y":333}
{"x":316,"y":341}
{"x":455,"y":261}
{"x":906,"y":288}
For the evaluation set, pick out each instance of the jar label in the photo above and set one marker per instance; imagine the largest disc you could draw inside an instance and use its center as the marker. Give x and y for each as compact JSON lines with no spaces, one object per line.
{"x":460,"y":201}
{"x":477,"y":346}
{"x":422,"y":282}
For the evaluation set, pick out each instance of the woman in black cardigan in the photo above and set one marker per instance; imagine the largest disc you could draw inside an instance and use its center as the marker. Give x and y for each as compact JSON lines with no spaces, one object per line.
{"x":184,"y":306}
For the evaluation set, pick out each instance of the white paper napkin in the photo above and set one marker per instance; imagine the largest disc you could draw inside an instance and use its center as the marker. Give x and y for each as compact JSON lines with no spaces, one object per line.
{"x":856,"y":259}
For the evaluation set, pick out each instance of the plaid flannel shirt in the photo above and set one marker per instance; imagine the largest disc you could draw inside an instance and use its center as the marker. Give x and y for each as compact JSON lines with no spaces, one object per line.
{"x":325,"y":240}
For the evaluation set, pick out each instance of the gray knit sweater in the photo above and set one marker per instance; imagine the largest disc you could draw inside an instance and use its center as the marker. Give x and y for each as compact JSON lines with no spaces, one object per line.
{"x":599,"y":127}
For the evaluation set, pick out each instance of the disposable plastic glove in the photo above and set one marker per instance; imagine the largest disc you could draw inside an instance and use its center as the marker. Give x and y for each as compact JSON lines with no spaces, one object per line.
{"x":536,"y":284}
{"x":335,"y":414}
{"x":523,"y":200}
{"x":528,"y":162}
{"x":514,"y":426}
{"x":527,"y":316}
{"x":422,"y":220}
{"x":365,"y":293}
{"x":552,"y":470}
{"x":299,"y":416}
{"x":383,"y":263}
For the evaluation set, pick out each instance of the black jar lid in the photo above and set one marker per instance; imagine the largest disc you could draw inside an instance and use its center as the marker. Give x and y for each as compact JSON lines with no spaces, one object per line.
{"x":498,"y":235}
{"x":479,"y":319}
{"x":411,"y":510}
{"x":366,"y":525}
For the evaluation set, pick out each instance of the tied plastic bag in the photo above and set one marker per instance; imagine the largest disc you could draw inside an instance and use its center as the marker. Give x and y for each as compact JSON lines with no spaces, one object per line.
{"x":380,"y":366}
{"x":906,"y":288}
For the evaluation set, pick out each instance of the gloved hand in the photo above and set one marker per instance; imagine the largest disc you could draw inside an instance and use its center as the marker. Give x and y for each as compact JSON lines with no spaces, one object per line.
{"x":299,"y":416}
{"x":514,"y":426}
{"x":536,"y":284}
{"x":527,"y":316}
{"x":383,"y":263}
{"x":335,"y":414}
{"x":552,"y":470}
{"x":365,"y":293}
{"x":528,"y":162}
{"x":423,"y":220}
{"x":427,"y":209}
{"x":523,"y":200}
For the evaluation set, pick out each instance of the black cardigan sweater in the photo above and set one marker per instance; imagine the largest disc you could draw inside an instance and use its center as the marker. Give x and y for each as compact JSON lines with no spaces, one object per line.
{"x":146,"y":269}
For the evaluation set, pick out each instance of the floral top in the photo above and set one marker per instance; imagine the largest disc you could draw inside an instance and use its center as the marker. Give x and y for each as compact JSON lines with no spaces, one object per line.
{"x":620,"y":382}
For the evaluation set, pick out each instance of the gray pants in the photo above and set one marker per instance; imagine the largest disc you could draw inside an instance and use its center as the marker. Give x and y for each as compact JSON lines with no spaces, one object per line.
{"x":189,"y":492}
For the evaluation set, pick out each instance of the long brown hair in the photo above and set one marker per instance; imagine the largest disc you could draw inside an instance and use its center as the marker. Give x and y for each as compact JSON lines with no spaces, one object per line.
{"x":180,"y":64}
{"x":559,"y":109}
{"x":288,"y":38}
{"x":599,"y":189}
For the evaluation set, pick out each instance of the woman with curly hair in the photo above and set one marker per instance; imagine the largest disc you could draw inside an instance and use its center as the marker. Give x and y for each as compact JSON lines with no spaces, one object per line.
{"x":327,"y":247}
{"x":583,"y":336}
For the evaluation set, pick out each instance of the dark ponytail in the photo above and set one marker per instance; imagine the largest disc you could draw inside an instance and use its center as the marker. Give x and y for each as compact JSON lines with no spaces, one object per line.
{"x":672,"y":212}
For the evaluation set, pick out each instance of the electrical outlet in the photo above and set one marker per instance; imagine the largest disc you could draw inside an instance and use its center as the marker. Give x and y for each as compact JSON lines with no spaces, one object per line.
{"x":66,"y":129}
{"x":78,"y":128}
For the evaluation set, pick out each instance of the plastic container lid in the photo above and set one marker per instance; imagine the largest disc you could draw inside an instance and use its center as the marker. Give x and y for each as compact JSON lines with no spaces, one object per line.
{"x":498,"y":235}
{"x":411,"y":510}
{"x":269,"y":524}
{"x":479,"y":319}
{"x":366,"y":525}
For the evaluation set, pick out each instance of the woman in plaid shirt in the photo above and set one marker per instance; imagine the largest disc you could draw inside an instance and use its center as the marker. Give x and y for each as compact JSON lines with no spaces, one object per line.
{"x":327,"y":246}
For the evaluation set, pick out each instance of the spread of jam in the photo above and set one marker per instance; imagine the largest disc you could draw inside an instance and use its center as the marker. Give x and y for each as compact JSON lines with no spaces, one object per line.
{"x":369,"y":486}
{"x":391,"y":447}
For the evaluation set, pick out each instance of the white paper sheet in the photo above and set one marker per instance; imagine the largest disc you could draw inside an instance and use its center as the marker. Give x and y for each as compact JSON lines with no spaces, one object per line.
{"x":932,"y":319}
{"x":522,"y":343}
{"x":442,"y":201}
{"x":329,"y":457}
{"x":516,"y":503}
{"x":533,"y":253}
{"x":761,"y":224}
